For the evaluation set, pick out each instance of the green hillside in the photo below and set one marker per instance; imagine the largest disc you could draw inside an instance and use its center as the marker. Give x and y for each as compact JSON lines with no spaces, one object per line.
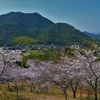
{"x":62,"y":33}
{"x":16,"y":24}
{"x":24,"y":40}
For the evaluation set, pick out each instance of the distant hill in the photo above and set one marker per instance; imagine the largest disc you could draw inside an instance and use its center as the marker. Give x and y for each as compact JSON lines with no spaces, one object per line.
{"x":96,"y":33}
{"x":62,"y":33}
{"x":93,"y":35}
{"x":32,"y":25}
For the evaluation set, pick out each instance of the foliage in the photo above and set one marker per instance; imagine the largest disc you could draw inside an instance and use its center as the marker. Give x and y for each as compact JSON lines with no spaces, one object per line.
{"x":24,"y":40}
{"x":69,"y":52}
{"x":53,"y":56}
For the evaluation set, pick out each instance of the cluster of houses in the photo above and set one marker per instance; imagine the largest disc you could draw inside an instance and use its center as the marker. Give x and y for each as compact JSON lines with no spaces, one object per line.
{"x":41,"y":48}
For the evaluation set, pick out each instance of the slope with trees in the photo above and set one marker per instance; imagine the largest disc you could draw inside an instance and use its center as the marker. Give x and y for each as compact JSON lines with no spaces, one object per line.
{"x":16,"y":24}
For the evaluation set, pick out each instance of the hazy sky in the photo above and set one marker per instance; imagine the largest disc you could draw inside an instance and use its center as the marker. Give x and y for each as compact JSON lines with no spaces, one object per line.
{"x":82,"y":14}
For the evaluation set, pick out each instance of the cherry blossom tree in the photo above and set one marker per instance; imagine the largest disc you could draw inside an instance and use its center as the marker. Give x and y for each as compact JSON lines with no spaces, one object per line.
{"x":31,"y":76}
{"x":65,"y":74}
{"x":75,"y":79}
{"x":7,"y":62}
{"x":91,"y":69}
{"x":57,"y":74}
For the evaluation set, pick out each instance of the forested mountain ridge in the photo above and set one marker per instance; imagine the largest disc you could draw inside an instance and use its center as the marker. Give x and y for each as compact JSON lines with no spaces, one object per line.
{"x":94,"y":36}
{"x":15,"y":24}
{"x":63,"y":33}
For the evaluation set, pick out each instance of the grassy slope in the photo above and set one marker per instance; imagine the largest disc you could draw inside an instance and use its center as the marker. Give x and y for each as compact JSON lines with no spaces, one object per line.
{"x":54,"y":94}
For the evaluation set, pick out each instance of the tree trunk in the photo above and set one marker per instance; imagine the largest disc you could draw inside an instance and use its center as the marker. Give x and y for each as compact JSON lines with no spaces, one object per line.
{"x":16,"y":87}
{"x":31,"y":87}
{"x":95,"y":93}
{"x":22,"y":84}
{"x":8,"y":86}
{"x":74,"y":94}
{"x":96,"y":98}
{"x":65,"y":92}
{"x":17,"y":90}
{"x":0,"y":86}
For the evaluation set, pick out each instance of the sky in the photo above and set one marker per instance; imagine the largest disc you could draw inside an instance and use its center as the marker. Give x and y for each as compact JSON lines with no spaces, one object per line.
{"x":82,"y":14}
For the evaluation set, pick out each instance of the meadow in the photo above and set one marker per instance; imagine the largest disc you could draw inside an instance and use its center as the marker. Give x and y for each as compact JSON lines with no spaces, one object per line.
{"x":24,"y":93}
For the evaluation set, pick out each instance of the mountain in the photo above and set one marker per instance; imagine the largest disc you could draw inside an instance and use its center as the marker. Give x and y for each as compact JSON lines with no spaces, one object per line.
{"x":63,"y":33}
{"x":96,"y":33}
{"x":17,"y":24}
{"x":93,"y":35}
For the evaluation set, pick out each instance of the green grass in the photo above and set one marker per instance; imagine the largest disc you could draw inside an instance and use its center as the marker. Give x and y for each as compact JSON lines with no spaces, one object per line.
{"x":35,"y":52}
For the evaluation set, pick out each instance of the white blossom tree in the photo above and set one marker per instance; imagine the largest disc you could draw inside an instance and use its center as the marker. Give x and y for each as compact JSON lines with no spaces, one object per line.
{"x":57,"y":74}
{"x":90,"y":69}
{"x":7,"y":63}
{"x":75,"y":75}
